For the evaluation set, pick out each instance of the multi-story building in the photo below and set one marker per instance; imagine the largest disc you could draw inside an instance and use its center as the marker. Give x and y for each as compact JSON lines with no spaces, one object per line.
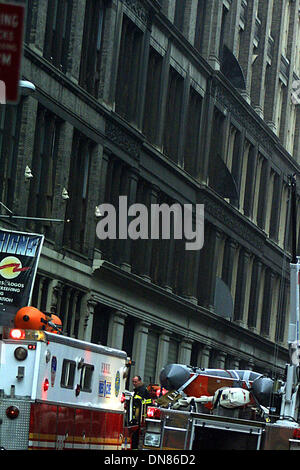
{"x":170,"y":101}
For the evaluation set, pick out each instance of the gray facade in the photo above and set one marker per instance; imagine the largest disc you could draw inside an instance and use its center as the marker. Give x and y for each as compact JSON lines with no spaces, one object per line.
{"x":132,"y":98}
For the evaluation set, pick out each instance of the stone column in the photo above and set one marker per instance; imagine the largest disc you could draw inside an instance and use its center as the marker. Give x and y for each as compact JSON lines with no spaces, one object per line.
{"x":62,"y":180}
{"x":53,"y":289}
{"x":259,"y":67}
{"x":139,"y":348}
{"x":220,"y":360}
{"x":25,"y":152}
{"x":205,"y":356}
{"x":77,"y":31}
{"x":185,"y":351}
{"x":106,"y":155}
{"x":73,"y":312}
{"x":38,"y":35}
{"x":212,"y":33}
{"x":235,"y":363}
{"x":116,"y":329}
{"x":163,"y":94}
{"x":113,"y":34}
{"x":162,"y":353}
{"x":272,"y":82}
{"x":246,"y":46}
{"x":88,"y":305}
{"x":143,"y":76}
{"x":95,"y":171}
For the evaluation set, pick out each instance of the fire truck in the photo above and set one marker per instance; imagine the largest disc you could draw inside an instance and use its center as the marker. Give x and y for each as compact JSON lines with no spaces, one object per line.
{"x":61,"y":393}
{"x":232,"y":409}
{"x":229,"y":409}
{"x":218,"y":409}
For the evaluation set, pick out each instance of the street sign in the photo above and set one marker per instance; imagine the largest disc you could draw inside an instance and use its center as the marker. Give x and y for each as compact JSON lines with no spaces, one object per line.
{"x":11,"y":41}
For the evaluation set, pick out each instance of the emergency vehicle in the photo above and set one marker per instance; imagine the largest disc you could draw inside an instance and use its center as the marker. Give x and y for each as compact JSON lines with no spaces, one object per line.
{"x":60,"y":393}
{"x":217,"y":409}
{"x":232,"y":409}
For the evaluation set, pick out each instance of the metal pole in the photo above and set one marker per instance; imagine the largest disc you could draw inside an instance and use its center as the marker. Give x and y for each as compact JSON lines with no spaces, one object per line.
{"x":32,"y":218}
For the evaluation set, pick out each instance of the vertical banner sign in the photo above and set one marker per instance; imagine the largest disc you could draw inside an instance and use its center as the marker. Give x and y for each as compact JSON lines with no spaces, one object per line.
{"x":19,"y":257}
{"x":11,"y":42}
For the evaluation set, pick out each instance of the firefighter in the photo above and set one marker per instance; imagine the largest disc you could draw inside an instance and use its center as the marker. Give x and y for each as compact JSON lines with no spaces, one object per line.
{"x":141,"y":398}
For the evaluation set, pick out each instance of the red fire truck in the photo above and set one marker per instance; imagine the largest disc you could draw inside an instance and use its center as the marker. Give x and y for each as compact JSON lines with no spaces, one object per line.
{"x":61,"y":393}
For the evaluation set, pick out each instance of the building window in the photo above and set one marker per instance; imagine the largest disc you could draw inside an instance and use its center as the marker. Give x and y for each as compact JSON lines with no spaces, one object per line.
{"x":92,"y":46}
{"x":275,"y":208}
{"x":277,"y":119}
{"x":262,"y":193}
{"x":191,"y":152}
{"x":101,"y":317}
{"x":290,"y":141}
{"x":245,"y":160}
{"x":78,"y":190}
{"x":44,"y":163}
{"x":223,"y":30}
{"x":282,"y":309}
{"x":216,"y":148}
{"x":173,"y":115}
{"x":128,"y":70}
{"x":267,"y":303}
{"x":284,"y":214}
{"x":58,"y":32}
{"x":10,"y":119}
{"x":152,"y":100}
{"x":250,"y":181}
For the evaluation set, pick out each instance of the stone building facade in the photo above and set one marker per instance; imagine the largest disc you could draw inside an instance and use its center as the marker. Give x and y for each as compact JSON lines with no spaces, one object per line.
{"x":137,"y":98}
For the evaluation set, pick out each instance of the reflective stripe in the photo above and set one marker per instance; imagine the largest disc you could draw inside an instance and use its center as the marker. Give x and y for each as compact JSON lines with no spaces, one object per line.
{"x":147,"y":401}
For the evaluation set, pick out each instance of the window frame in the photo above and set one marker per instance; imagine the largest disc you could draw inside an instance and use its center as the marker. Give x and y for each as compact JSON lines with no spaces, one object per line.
{"x":68,"y":372}
{"x":86,"y":387}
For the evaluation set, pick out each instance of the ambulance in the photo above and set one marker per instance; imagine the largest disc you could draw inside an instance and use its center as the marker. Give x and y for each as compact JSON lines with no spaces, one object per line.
{"x":61,"y":393}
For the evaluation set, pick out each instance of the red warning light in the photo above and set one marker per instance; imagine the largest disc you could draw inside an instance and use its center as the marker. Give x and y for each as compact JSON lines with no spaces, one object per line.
{"x":153,"y":412}
{"x":12,"y":412}
{"x":17,"y":334}
{"x":46,"y":385}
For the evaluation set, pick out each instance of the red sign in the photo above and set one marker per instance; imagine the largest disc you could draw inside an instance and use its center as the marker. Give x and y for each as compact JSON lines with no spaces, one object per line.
{"x":11,"y":41}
